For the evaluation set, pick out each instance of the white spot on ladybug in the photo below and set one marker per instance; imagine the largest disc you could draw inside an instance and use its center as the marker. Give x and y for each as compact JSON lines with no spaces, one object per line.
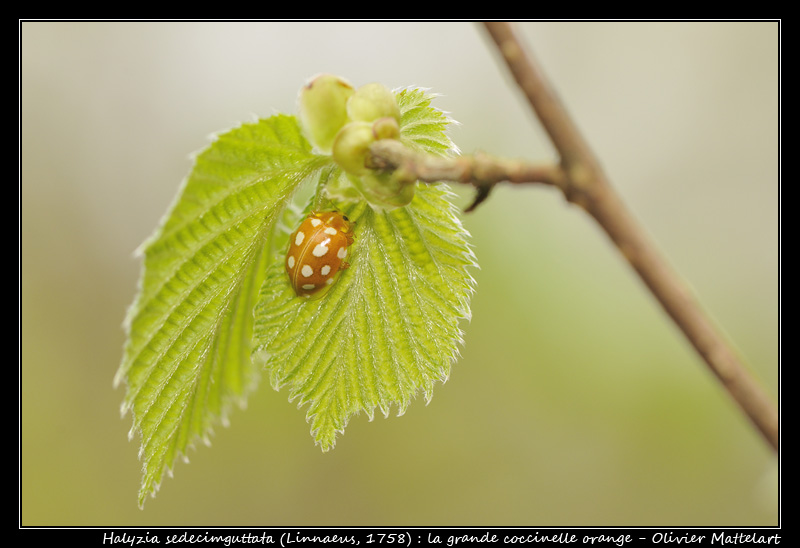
{"x":306,"y":270}
{"x":315,"y":222}
{"x":330,"y":230}
{"x":325,"y":270}
{"x":320,"y":249}
{"x":329,"y":281}
{"x":309,"y":287}
{"x":290,"y":261}
{"x":342,"y":253}
{"x":299,"y":238}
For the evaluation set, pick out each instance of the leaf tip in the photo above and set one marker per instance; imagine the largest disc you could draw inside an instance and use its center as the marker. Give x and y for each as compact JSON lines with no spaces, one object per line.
{"x":117,"y":378}
{"x":123,"y":410}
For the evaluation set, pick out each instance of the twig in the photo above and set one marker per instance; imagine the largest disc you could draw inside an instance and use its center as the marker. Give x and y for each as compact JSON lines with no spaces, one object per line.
{"x":588,"y":185}
{"x":581,"y":179}
{"x":479,"y":170}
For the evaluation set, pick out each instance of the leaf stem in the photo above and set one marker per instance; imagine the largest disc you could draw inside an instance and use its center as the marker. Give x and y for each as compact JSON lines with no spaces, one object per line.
{"x":581,"y":179}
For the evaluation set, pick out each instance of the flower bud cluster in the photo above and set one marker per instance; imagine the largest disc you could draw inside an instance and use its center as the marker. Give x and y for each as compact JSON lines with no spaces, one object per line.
{"x":344,"y":122}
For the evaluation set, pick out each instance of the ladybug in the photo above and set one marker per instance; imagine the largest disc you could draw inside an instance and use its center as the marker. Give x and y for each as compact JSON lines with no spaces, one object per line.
{"x":317,"y":250}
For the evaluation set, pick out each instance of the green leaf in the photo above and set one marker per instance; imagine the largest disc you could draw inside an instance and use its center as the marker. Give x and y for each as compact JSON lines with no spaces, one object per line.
{"x":187,"y":356}
{"x":421,"y":126}
{"x":389,"y":327}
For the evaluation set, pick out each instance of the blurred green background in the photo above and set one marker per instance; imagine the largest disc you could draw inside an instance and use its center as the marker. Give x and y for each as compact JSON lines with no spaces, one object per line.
{"x":575,"y":402}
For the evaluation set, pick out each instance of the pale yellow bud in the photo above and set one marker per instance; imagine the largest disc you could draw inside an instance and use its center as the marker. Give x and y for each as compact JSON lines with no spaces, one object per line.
{"x":323,"y":109}
{"x":371,"y":102}
{"x":351,"y":147}
{"x":384,"y":191}
{"x":386,"y":128}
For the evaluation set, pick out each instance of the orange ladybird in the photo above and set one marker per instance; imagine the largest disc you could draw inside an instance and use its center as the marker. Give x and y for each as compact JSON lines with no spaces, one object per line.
{"x":317,"y":250}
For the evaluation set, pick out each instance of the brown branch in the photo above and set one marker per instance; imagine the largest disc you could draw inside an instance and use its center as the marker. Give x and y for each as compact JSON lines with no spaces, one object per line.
{"x":479,"y":170}
{"x":583,"y":182}
{"x":588,"y":186}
